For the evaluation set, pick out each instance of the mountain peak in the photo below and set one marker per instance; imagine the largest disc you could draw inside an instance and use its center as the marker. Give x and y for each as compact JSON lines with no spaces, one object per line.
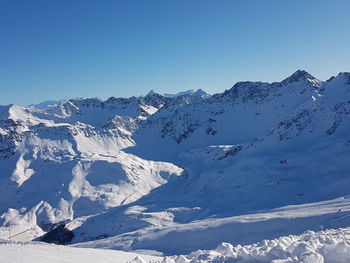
{"x":151,"y":93}
{"x":345,"y":76}
{"x":299,"y":75}
{"x":341,"y":78}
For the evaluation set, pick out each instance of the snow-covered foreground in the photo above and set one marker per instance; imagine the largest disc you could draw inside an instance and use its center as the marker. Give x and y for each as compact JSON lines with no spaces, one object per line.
{"x":36,"y":252}
{"x":331,"y":246}
{"x":173,"y":238}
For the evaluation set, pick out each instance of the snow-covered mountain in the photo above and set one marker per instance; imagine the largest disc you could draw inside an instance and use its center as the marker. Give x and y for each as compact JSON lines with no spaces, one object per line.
{"x":258,"y":161}
{"x":196,"y":93}
{"x":47,"y":103}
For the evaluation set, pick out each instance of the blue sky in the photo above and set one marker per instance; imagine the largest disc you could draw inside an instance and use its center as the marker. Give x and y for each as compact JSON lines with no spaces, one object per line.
{"x":63,"y":49}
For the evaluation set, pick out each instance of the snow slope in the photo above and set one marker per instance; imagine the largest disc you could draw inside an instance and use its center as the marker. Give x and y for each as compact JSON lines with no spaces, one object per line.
{"x":176,"y":230}
{"x":257,"y":161}
{"x":310,"y":247}
{"x":35,"y":252}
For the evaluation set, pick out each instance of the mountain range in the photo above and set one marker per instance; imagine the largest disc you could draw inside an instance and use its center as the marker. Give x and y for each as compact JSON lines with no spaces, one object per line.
{"x":176,"y":173}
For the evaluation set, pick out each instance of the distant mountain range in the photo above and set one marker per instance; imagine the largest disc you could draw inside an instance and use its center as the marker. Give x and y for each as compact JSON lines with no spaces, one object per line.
{"x":47,"y":103}
{"x":180,"y":172}
{"x":197,"y":93}
{"x":52,"y":103}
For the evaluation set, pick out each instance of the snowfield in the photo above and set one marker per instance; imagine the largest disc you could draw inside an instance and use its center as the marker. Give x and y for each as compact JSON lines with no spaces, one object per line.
{"x":171,"y":238}
{"x":36,"y":252}
{"x":310,"y":247}
{"x":176,"y":173}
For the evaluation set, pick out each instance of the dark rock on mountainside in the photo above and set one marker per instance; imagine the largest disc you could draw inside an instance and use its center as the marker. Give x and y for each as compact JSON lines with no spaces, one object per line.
{"x":59,"y":236}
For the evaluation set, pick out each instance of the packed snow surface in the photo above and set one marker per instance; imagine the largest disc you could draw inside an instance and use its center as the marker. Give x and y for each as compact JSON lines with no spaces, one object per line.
{"x":35,"y":252}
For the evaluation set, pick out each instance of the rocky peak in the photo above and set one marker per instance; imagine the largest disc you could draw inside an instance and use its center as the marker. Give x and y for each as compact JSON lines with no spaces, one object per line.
{"x":345,"y":76}
{"x":244,"y":91}
{"x":299,"y":75}
{"x":155,"y":99}
{"x":151,"y":93}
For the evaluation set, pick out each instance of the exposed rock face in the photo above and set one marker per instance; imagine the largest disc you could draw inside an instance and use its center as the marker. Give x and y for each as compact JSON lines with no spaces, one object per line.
{"x":59,"y":235}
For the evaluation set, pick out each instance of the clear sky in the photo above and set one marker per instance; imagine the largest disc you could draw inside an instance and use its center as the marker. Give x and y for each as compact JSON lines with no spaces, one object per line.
{"x":54,"y":49}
